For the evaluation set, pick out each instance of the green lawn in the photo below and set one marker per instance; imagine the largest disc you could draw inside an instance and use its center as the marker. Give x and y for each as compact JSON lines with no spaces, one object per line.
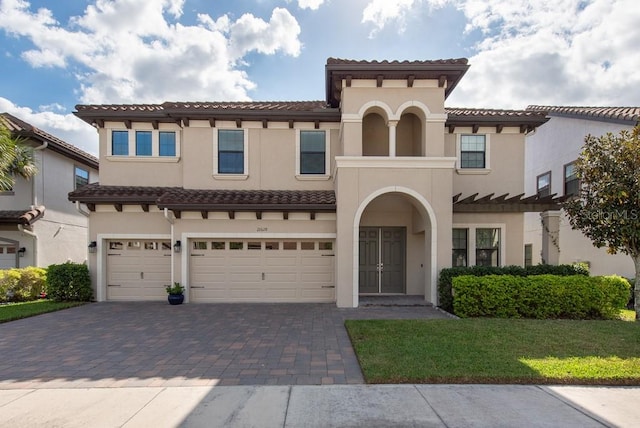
{"x":14,"y":311}
{"x":498,"y":351}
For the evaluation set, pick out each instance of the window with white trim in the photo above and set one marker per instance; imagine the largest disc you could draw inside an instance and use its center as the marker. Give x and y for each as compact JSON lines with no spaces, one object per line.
{"x":543,"y":184}
{"x":473,"y":151}
{"x":571,"y":182}
{"x":488,"y":247}
{"x":167,"y":143}
{"x":313,"y":152}
{"x":144,"y":144}
{"x":230,"y":153}
{"x":81,"y":177}
{"x":460,"y":247}
{"x":120,"y":143}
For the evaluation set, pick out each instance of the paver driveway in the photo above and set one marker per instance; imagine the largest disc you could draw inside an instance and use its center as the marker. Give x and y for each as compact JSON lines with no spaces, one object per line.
{"x":154,"y":344}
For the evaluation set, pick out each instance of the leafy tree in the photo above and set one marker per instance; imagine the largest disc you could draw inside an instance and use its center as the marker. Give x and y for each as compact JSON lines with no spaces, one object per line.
{"x":607,"y":208}
{"x":16,"y":158}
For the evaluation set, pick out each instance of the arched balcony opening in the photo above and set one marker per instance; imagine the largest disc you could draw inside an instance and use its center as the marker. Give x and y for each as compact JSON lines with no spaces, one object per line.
{"x":409,"y":136}
{"x":375,"y":135}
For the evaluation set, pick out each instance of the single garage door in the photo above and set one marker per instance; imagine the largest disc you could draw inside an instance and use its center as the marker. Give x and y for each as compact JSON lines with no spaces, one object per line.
{"x":138,"y":269}
{"x":7,"y":256}
{"x":261,"y":271}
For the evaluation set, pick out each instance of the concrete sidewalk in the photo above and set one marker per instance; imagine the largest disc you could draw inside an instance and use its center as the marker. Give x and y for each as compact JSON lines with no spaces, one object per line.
{"x":367,"y":406}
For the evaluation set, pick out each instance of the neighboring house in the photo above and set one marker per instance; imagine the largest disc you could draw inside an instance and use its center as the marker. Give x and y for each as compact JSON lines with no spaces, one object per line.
{"x":372,"y":191}
{"x":550,"y":155}
{"x":38,"y":224}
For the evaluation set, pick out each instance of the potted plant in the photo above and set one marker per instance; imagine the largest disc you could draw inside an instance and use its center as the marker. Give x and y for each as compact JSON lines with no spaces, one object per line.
{"x":176,"y":293}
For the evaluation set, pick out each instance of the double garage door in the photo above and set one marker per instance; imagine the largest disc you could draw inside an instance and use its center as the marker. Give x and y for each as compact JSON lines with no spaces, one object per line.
{"x":261,"y":271}
{"x":229,"y":270}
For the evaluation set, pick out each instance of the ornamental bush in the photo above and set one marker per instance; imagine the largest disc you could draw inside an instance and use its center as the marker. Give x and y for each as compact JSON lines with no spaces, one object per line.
{"x":21,"y":285}
{"x":445,"y":298}
{"x":69,"y":282}
{"x":540,"y":296}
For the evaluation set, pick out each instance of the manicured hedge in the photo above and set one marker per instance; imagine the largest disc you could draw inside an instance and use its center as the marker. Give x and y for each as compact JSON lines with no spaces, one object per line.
{"x":445,"y":298}
{"x":540,"y":296}
{"x":22,"y":285}
{"x":69,"y":282}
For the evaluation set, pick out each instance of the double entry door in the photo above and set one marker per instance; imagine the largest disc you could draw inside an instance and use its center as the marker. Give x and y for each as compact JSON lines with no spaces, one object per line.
{"x":382,"y":260}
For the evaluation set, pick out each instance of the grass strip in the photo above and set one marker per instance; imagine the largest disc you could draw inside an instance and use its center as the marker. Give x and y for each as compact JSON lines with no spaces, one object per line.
{"x":497,"y":351}
{"x":15,"y":311}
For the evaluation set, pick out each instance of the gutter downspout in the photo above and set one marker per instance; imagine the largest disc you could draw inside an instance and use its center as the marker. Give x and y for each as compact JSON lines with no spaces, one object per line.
{"x":22,"y":229}
{"x":171,"y":221}
{"x":80,"y":210}
{"x":34,"y":197}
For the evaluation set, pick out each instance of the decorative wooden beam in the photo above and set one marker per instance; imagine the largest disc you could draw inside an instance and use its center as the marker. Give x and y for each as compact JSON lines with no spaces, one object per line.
{"x":238,"y":123}
{"x":185,"y":121}
{"x":154,"y":123}
{"x":177,"y":213}
{"x":92,"y":207}
{"x":290,"y":123}
{"x":212,"y":122}
{"x":265,"y":123}
{"x":379,"y":80}
{"x":410,"y":80}
{"x":232,"y":215}
{"x":523,"y":129}
{"x":442,"y":80}
{"x":499,"y":128}
{"x":179,"y":122}
{"x":127,"y":124}
{"x":285,"y":215}
{"x":99,"y":123}
{"x":145,"y":207}
{"x":204,"y":214}
{"x":258,"y":215}
{"x":312,"y":215}
{"x":316,"y":124}
{"x":118,"y":207}
{"x":452,"y":128}
{"x":348,"y":80}
{"x":475,"y":128}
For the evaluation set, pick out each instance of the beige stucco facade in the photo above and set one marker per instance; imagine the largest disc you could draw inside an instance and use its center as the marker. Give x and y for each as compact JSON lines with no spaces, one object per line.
{"x":392,"y":162}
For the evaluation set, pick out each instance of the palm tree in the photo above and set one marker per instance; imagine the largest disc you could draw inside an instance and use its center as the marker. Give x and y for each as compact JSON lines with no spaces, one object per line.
{"x":16,"y":158}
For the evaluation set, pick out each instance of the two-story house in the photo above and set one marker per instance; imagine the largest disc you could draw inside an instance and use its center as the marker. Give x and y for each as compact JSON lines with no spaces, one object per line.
{"x":550,"y":156}
{"x":38,"y":225}
{"x":371,"y":191}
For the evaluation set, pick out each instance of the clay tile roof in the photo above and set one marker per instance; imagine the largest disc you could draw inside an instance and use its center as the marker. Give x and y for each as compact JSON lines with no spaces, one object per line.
{"x":119,"y":108}
{"x":248,"y":105}
{"x":185,"y":199}
{"x":454,"y":61}
{"x":22,"y":128}
{"x":177,"y":198}
{"x":615,"y":114}
{"x":22,"y":217}
{"x":95,"y":193}
{"x":466,"y":116}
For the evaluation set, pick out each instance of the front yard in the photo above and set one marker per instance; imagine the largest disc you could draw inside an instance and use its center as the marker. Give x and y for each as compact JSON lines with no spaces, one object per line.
{"x":14,"y":311}
{"x":486,"y":350}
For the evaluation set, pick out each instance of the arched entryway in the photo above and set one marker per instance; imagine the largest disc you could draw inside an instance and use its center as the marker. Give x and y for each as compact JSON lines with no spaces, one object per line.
{"x":395,"y":244}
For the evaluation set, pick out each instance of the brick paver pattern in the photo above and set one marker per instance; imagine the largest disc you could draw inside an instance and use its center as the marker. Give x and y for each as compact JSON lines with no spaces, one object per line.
{"x":155,"y":344}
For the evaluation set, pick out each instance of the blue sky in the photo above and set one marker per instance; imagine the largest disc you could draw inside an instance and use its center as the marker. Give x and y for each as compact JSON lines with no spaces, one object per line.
{"x":55,"y":55}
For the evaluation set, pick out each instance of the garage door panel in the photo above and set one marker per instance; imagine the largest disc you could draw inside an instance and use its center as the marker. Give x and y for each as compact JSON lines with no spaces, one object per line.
{"x":283,"y":261}
{"x":278,"y":277}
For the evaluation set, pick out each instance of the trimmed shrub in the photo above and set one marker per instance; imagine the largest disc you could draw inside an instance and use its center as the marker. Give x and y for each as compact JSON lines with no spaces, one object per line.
{"x":21,"y":285}
{"x":540,"y":296}
{"x":445,"y":297}
{"x":69,"y":282}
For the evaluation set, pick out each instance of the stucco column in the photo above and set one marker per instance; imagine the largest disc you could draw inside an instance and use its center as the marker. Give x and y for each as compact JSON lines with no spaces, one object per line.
{"x":392,"y":138}
{"x":550,"y":237}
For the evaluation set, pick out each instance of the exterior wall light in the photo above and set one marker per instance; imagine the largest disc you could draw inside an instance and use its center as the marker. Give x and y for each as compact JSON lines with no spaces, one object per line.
{"x":93,"y":247}
{"x":177,"y":247}
{"x":21,"y":251}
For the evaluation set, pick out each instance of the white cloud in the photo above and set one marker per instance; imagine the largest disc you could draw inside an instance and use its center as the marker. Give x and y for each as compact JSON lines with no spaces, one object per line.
{"x":309,"y":4}
{"x":67,"y":127}
{"x":381,"y":13}
{"x":128,"y":51}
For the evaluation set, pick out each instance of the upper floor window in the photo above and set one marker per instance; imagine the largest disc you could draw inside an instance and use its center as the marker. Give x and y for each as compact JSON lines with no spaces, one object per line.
{"x":231,"y":152}
{"x":488,"y":247}
{"x":473,"y":151}
{"x":460,"y":247}
{"x":81,"y":177}
{"x":312,"y":152}
{"x":143,"y":143}
{"x":167,"y":143}
{"x":571,"y":182}
{"x":120,"y":143}
{"x":543,"y":184}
